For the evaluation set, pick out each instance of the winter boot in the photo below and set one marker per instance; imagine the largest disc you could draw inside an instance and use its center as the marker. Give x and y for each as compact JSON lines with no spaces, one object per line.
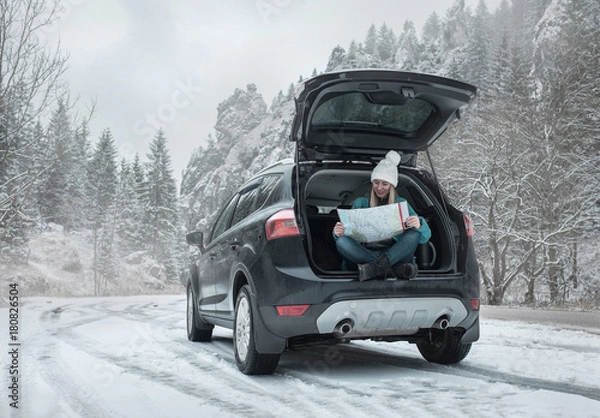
{"x":405,"y":270}
{"x":374,"y":269}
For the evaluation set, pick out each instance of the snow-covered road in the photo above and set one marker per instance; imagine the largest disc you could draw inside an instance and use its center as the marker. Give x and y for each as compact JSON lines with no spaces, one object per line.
{"x":129,"y":357}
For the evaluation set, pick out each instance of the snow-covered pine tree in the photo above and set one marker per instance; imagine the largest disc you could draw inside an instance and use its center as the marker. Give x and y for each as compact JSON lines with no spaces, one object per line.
{"x":129,"y":212}
{"x":386,"y":44}
{"x":431,"y":40}
{"x":454,"y":41}
{"x":73,"y":209}
{"x":371,"y":39}
{"x":290,"y":92}
{"x":478,"y":48}
{"x":52,"y":189}
{"x":162,"y":217}
{"x":101,"y":190}
{"x":352,"y":56}
{"x":409,"y":51}
{"x":140,"y":181}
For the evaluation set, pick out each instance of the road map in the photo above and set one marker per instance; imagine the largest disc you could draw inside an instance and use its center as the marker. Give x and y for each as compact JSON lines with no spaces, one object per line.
{"x":374,"y":224}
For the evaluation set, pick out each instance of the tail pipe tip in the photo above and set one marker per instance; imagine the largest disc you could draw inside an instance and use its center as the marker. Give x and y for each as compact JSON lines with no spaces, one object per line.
{"x":441,"y":323}
{"x":343,"y":327}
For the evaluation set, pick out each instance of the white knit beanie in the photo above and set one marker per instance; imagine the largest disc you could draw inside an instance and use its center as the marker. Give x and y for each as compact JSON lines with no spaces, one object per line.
{"x":387,"y":169}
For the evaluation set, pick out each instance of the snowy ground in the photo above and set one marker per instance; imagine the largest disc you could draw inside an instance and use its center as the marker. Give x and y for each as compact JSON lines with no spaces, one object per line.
{"x":129,"y":357}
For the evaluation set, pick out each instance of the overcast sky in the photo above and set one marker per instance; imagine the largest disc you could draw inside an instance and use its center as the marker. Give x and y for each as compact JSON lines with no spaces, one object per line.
{"x":159,"y":63}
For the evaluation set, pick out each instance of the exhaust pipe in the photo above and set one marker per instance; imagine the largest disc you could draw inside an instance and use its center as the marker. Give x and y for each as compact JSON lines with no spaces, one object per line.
{"x":343,"y":327}
{"x":441,"y":323}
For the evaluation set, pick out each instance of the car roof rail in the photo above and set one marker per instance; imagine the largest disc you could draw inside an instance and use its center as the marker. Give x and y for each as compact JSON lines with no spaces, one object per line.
{"x":285,"y":161}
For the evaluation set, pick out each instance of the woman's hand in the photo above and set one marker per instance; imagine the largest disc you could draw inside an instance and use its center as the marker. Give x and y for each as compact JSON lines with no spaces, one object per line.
{"x":413,"y":222}
{"x":339,"y":229}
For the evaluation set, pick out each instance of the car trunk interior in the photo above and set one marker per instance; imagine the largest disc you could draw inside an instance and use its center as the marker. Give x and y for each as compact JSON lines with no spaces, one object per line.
{"x":331,"y":188}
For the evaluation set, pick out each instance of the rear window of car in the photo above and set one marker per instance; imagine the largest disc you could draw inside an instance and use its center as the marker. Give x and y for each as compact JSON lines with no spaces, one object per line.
{"x":380,"y":110}
{"x":254,"y":197}
{"x":266,"y":188}
{"x":222,"y":223}
{"x":246,"y":204}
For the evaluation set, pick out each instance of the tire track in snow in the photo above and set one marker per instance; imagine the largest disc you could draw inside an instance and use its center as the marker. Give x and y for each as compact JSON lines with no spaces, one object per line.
{"x":305,"y":388}
{"x":245,"y":391}
{"x":43,"y":356}
{"x":463,"y":370}
{"x":246,"y":396}
{"x":149,"y":369}
{"x":221,"y":349}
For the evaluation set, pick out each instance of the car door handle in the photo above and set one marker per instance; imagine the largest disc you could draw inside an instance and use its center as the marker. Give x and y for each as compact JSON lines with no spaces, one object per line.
{"x":234,"y":245}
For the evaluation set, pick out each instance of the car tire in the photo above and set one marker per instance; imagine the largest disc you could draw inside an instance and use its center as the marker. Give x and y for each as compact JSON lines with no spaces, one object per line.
{"x":445,"y":347}
{"x":197,"y":330}
{"x":248,"y":359}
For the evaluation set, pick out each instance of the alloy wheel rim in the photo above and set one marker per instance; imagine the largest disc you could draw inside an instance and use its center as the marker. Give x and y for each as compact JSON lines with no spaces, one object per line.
{"x":242,"y":329}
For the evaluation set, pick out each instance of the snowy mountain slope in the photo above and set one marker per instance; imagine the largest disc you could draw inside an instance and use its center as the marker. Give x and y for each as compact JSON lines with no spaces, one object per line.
{"x":243,"y":145}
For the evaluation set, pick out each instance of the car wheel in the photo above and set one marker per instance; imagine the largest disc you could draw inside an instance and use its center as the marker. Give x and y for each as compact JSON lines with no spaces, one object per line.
{"x":248,"y":359}
{"x":445,"y":347}
{"x":197,"y":330}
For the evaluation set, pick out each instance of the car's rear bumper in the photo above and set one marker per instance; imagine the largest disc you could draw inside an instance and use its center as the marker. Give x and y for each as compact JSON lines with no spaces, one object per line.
{"x":393,"y":316}
{"x":398,"y":318}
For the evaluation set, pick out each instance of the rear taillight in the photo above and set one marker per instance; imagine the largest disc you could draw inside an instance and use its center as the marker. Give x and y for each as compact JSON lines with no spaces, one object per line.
{"x":475,"y":304}
{"x":469,"y":226}
{"x":291,"y":310}
{"x":282,"y":224}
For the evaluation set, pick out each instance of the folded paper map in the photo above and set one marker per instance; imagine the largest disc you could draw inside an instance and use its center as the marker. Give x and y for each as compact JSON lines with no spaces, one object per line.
{"x":374,"y":224}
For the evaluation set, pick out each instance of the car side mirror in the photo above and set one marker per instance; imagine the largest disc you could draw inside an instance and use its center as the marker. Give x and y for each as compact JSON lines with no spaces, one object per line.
{"x":196,"y":238}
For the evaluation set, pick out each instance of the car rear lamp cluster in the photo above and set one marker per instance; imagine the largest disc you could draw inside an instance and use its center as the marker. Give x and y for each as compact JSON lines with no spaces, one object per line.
{"x":291,"y":310}
{"x":469,"y":226}
{"x":282,"y":224}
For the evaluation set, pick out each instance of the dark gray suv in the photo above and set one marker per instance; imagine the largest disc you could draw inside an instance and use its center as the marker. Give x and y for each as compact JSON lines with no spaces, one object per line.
{"x":269,"y":268}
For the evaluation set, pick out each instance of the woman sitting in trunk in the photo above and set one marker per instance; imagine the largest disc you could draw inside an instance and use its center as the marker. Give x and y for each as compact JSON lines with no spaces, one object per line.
{"x":397,"y":255}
